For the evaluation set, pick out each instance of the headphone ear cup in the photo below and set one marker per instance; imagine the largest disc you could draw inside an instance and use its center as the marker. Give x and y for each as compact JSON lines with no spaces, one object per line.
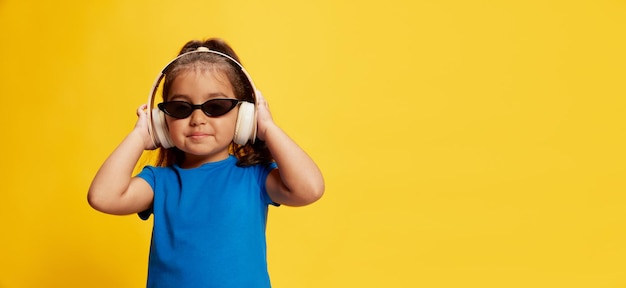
{"x":245,"y":128}
{"x":161,"y":135}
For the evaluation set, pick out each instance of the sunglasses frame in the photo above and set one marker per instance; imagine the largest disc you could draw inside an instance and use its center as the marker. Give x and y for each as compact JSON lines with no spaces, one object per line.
{"x":234,"y":103}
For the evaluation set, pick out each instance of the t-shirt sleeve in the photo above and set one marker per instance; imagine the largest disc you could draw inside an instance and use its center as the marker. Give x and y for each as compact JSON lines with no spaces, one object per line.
{"x":147,"y":174}
{"x":263,"y":179}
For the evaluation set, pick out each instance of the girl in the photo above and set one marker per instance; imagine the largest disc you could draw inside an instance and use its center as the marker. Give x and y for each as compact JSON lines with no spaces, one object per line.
{"x":209,"y":195}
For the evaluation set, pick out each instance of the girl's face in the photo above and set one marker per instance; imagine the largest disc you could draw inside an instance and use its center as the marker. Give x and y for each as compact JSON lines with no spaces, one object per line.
{"x":202,"y":138}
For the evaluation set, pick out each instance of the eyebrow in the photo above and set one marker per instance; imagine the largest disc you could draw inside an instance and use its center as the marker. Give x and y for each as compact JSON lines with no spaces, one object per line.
{"x":210,"y":96}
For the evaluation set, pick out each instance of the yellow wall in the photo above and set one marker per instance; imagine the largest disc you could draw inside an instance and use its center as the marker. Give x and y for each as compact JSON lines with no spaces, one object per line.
{"x":464,"y":143}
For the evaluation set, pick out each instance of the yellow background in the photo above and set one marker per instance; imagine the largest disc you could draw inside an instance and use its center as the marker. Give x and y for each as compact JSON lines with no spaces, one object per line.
{"x":463,"y":143}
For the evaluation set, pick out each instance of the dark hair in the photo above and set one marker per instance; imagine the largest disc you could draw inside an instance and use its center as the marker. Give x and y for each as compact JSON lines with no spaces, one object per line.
{"x":248,"y":154}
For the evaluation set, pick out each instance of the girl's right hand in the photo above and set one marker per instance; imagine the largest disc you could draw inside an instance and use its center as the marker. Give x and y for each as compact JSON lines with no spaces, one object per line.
{"x":141,"y":127}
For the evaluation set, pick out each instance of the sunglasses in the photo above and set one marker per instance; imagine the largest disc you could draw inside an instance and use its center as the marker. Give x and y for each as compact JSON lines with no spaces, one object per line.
{"x":212,"y":108}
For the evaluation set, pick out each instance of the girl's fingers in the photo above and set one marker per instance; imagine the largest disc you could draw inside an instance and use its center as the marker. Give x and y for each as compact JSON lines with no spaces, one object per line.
{"x":260,"y":98}
{"x":142,"y":109}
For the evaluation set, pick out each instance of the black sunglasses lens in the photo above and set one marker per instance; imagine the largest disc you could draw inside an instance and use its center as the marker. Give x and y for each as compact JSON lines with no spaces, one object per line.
{"x":218,"y":107}
{"x":177,"y":109}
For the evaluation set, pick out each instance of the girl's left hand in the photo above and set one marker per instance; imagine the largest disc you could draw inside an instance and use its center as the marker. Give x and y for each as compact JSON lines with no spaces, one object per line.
{"x":264,"y":117}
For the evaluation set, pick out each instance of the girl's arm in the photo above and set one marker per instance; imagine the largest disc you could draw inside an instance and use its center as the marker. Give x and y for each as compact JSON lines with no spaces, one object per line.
{"x":297,"y":181}
{"x":113,"y":190}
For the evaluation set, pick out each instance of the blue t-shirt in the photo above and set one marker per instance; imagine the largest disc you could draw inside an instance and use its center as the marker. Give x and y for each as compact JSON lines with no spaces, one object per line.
{"x":209,"y":225}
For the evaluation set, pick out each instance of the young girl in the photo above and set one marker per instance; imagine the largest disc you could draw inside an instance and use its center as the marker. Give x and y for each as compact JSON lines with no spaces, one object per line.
{"x":209,"y":195}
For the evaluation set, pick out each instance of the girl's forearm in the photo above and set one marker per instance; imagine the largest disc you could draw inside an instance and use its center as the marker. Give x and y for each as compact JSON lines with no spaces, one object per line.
{"x":113,"y":178}
{"x":299,"y":173}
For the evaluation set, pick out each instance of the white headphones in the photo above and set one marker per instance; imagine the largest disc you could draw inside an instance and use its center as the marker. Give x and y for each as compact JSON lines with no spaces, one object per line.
{"x":245,"y":129}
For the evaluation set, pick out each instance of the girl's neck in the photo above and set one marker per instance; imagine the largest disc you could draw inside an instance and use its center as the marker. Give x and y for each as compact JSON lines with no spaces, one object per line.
{"x":195,"y":161}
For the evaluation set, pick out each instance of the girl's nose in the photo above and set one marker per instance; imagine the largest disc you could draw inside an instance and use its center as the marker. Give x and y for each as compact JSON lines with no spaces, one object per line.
{"x":197,"y":118}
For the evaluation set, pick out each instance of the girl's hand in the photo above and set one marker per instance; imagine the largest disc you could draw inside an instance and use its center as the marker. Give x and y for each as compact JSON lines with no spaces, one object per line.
{"x":264,"y":117}
{"x":141,"y":127}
